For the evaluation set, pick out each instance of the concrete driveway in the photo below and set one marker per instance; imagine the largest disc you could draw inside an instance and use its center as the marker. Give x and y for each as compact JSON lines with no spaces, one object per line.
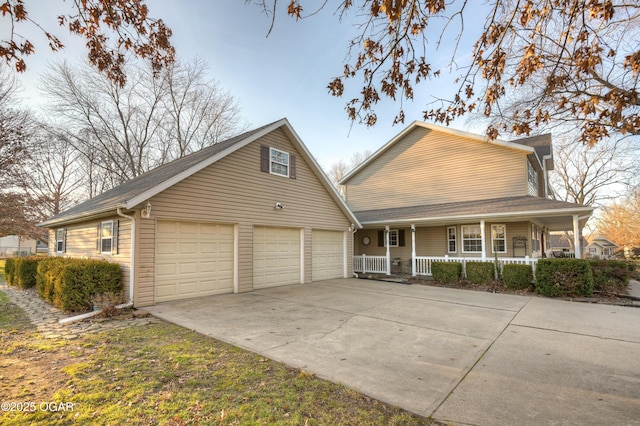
{"x":459,"y":356}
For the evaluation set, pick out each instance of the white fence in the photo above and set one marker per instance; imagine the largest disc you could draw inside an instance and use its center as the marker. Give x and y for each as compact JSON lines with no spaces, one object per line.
{"x":378,"y":264}
{"x":15,"y":251}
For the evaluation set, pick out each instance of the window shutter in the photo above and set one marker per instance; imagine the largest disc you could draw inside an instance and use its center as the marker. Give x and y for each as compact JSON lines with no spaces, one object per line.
{"x":64,"y":240}
{"x":380,"y":238}
{"x":292,"y":166}
{"x":98,"y":238}
{"x":401,"y":237}
{"x":114,"y":236}
{"x":264,"y":158}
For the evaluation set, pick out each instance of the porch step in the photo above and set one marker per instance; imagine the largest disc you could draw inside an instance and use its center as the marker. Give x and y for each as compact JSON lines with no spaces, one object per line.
{"x":385,"y":278}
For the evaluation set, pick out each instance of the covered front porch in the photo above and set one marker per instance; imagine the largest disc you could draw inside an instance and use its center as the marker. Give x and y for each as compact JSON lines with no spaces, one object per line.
{"x":508,"y":231}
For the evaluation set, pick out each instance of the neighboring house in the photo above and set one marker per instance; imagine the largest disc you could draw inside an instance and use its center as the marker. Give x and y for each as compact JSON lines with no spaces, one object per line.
{"x":602,"y":248}
{"x":250,"y":212}
{"x":433,"y":193}
{"x":561,"y":246}
{"x":14,"y":245}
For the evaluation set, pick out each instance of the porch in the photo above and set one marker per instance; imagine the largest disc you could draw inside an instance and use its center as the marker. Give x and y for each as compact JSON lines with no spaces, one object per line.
{"x":421,"y":265}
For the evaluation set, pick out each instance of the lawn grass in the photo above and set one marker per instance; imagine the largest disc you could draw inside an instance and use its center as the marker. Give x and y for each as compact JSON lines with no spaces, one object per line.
{"x":164,"y":374}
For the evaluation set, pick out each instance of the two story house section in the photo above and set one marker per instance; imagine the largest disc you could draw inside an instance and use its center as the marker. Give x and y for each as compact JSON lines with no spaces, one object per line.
{"x":433,"y":193}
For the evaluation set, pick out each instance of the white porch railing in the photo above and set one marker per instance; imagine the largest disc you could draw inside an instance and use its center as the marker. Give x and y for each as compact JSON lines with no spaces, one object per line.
{"x":378,"y":264}
{"x":423,"y":263}
{"x":374,"y":264}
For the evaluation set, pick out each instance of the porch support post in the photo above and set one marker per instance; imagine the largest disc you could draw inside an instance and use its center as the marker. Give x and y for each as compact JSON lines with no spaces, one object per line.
{"x":576,"y":236}
{"x":483,"y":238}
{"x":413,"y":250}
{"x":386,"y":243}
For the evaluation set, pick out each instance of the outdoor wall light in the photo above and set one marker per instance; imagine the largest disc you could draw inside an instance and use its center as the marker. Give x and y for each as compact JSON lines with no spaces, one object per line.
{"x":279,"y":206}
{"x":146,"y":212}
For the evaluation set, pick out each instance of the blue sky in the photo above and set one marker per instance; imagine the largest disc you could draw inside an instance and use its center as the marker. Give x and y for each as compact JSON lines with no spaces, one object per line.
{"x":282,"y":75}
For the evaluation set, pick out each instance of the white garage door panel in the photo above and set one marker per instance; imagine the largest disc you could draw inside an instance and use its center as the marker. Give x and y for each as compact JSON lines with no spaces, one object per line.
{"x":328,"y":255}
{"x":193,"y":259}
{"x":276,"y":256}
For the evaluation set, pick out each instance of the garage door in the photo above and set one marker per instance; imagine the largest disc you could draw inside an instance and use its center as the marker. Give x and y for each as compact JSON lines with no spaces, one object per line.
{"x":276,"y":256}
{"x":328,"y":255}
{"x":193,"y":259}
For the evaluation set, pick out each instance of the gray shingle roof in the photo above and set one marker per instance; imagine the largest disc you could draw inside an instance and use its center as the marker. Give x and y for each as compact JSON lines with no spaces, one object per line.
{"x":511,"y":205}
{"x":118,"y":196}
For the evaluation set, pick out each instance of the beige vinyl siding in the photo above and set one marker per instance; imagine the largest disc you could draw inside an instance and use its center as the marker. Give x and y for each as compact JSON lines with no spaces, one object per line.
{"x":234,"y":190}
{"x":81,"y":242}
{"x":430,"y":167}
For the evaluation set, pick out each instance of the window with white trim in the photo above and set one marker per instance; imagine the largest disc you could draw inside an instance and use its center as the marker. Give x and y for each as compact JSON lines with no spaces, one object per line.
{"x":106,"y":237}
{"x":452,"y":240}
{"x":498,"y":238}
{"x":60,"y":240}
{"x":393,"y":238}
{"x":279,"y":162}
{"x":471,"y":239}
{"x":535,"y":238}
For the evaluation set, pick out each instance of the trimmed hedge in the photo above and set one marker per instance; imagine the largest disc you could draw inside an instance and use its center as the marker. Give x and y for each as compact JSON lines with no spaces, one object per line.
{"x":480,"y":272}
{"x":9,"y":267}
{"x":70,"y":284}
{"x":446,"y":272}
{"x":517,"y":276}
{"x":610,"y":275}
{"x":21,"y":271}
{"x":564,"y":277}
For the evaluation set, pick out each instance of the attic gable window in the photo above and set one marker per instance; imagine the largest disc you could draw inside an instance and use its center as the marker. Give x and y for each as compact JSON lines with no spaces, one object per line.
{"x":277,"y":162}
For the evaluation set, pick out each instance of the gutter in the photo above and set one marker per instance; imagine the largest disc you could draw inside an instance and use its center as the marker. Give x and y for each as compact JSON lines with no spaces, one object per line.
{"x":133,"y":252}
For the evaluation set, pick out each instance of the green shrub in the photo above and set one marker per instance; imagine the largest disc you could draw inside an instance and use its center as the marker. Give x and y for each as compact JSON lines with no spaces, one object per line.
{"x":49,"y":271}
{"x":517,"y":276}
{"x":610,"y":275}
{"x":23,"y":271}
{"x":480,"y":272}
{"x":70,"y":284}
{"x":9,"y":267}
{"x":446,"y":272}
{"x":564,"y":277}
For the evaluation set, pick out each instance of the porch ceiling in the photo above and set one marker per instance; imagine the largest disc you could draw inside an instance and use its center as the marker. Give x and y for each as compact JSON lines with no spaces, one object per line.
{"x":553,"y":214}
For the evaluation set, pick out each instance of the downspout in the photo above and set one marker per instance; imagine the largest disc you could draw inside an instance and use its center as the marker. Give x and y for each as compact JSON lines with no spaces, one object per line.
{"x":133,"y":252}
{"x":353,"y":230}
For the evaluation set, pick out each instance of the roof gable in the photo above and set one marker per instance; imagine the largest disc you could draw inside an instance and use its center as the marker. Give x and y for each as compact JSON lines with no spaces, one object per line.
{"x":135,"y":191}
{"x":525,"y":148}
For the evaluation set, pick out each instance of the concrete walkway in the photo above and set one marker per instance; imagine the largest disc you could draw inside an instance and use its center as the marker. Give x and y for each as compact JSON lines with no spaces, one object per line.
{"x":462,"y":357}
{"x":46,"y":318}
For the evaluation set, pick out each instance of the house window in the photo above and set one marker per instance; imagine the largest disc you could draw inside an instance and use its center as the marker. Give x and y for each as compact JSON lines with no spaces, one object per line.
{"x":451,"y":237}
{"x":499,"y":238}
{"x":279,"y":164}
{"x":471,"y":239}
{"x":60,"y":240}
{"x":532,"y":174}
{"x":393,"y":238}
{"x":106,"y":237}
{"x":535,"y":238}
